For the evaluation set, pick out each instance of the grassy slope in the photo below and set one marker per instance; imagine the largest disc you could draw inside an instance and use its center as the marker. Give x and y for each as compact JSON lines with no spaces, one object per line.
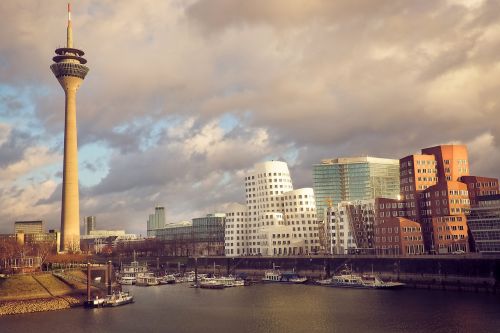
{"x":21,"y":287}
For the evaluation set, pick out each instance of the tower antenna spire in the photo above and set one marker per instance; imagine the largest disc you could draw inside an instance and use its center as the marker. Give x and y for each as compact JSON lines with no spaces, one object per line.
{"x":69,"y":43}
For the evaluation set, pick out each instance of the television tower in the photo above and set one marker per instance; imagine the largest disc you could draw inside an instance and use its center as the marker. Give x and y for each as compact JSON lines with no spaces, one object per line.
{"x":69,"y":69}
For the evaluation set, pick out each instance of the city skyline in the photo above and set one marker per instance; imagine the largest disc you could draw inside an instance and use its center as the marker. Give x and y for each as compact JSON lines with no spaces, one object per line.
{"x":182,"y":99}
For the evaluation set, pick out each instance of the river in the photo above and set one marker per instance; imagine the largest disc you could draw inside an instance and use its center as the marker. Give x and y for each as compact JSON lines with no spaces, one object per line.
{"x":274,"y":308}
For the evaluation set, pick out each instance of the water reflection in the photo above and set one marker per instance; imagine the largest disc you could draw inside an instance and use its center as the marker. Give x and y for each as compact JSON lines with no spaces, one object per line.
{"x":275,"y":308}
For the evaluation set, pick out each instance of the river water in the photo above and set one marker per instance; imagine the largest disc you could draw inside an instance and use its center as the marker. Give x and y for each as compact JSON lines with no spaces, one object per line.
{"x":274,"y":308}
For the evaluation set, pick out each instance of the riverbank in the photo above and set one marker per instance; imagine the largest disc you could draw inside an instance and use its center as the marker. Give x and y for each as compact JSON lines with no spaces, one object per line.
{"x":41,"y":292}
{"x":39,"y":305}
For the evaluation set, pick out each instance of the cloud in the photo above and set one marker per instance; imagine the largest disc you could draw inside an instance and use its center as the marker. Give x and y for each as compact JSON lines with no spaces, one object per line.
{"x":298,"y":80}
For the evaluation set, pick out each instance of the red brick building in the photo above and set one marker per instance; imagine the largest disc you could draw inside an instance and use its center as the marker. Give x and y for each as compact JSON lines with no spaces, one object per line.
{"x":395,"y":234}
{"x":444,"y":207}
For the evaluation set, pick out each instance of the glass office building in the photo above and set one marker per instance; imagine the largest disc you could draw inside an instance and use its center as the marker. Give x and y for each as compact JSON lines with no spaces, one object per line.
{"x":354,"y":178}
{"x":484,"y":224}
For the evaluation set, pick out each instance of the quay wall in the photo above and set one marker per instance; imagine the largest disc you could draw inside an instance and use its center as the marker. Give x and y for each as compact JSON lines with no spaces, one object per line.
{"x":478,"y":274}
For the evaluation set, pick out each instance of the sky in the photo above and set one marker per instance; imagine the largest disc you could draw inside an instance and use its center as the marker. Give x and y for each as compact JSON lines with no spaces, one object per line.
{"x":183,"y":96}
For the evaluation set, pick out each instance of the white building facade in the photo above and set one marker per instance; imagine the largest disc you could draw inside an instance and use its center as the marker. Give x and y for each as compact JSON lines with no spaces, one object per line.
{"x":278,"y":221}
{"x":350,"y":226}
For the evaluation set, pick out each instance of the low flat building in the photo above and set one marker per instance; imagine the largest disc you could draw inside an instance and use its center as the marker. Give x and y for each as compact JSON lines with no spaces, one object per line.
{"x":203,"y":236}
{"x":28,"y":227}
{"x":99,"y":240}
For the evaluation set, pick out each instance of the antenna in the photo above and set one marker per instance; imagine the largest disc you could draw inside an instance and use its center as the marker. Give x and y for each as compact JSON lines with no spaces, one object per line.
{"x":69,"y":43}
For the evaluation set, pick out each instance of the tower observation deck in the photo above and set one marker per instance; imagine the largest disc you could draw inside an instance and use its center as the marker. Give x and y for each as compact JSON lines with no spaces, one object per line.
{"x":70,"y":70}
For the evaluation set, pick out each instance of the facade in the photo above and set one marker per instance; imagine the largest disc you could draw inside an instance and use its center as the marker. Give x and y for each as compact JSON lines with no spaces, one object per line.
{"x":479,"y":186}
{"x":417,"y":173}
{"x":278,"y":220}
{"x":354,"y":178}
{"x":452,"y":161}
{"x":339,"y":233}
{"x":28,"y":227}
{"x":203,"y":236}
{"x":444,"y":207}
{"x":99,"y":240}
{"x":350,"y":227}
{"x":484,"y":224}
{"x":236,"y":236}
{"x":177,"y":238}
{"x":395,"y":234}
{"x":156,"y":221}
{"x":69,"y":69}
{"x":208,"y":235}
{"x":435,"y":197}
{"x":89,"y":224}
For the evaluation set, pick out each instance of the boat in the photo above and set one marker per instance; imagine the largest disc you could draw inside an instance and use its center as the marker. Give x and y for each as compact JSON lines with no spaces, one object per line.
{"x":227,"y":281}
{"x":274,"y":275}
{"x":348,"y":279}
{"x":132,"y":270}
{"x":191,"y":276}
{"x":95,"y":303}
{"x":210,"y":284}
{"x":167,"y":279}
{"x":147,"y":279}
{"x":115,"y":299}
{"x":120,"y":298}
{"x":127,"y":280}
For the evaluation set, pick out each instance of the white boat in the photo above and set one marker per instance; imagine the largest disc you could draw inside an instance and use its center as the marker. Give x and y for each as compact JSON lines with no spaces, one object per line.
{"x":120,"y":298}
{"x":228,"y":281}
{"x":147,"y":279}
{"x":190,"y":276}
{"x":127,"y":280}
{"x":95,"y":303}
{"x":211,"y":284}
{"x":167,"y":279}
{"x":115,"y":299}
{"x":274,"y":275}
{"x":348,"y":279}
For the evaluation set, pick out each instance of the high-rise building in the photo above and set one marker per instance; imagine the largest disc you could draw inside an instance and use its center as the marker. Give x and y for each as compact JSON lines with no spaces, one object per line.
{"x":89,"y":224}
{"x":435,"y":198}
{"x":28,"y":227}
{"x":278,"y":220}
{"x":156,"y":221}
{"x":70,"y":71}
{"x":354,"y":178}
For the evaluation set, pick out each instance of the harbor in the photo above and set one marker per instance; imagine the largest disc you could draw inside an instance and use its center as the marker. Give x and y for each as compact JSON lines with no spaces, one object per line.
{"x":275,"y":308}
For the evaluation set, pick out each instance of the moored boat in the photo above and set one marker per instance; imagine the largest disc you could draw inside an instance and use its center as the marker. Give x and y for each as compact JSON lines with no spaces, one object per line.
{"x":127,"y":280}
{"x":120,"y":298}
{"x":115,"y":299}
{"x":167,"y":279}
{"x":275,"y":275}
{"x":147,"y":279}
{"x":210,"y":284}
{"x":348,"y":279}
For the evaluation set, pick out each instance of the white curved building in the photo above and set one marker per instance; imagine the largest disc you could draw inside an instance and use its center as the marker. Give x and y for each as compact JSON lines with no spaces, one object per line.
{"x":279,"y":220}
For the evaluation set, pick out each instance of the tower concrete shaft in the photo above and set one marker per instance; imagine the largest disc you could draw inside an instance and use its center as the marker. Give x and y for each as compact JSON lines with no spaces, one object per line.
{"x":70,"y":71}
